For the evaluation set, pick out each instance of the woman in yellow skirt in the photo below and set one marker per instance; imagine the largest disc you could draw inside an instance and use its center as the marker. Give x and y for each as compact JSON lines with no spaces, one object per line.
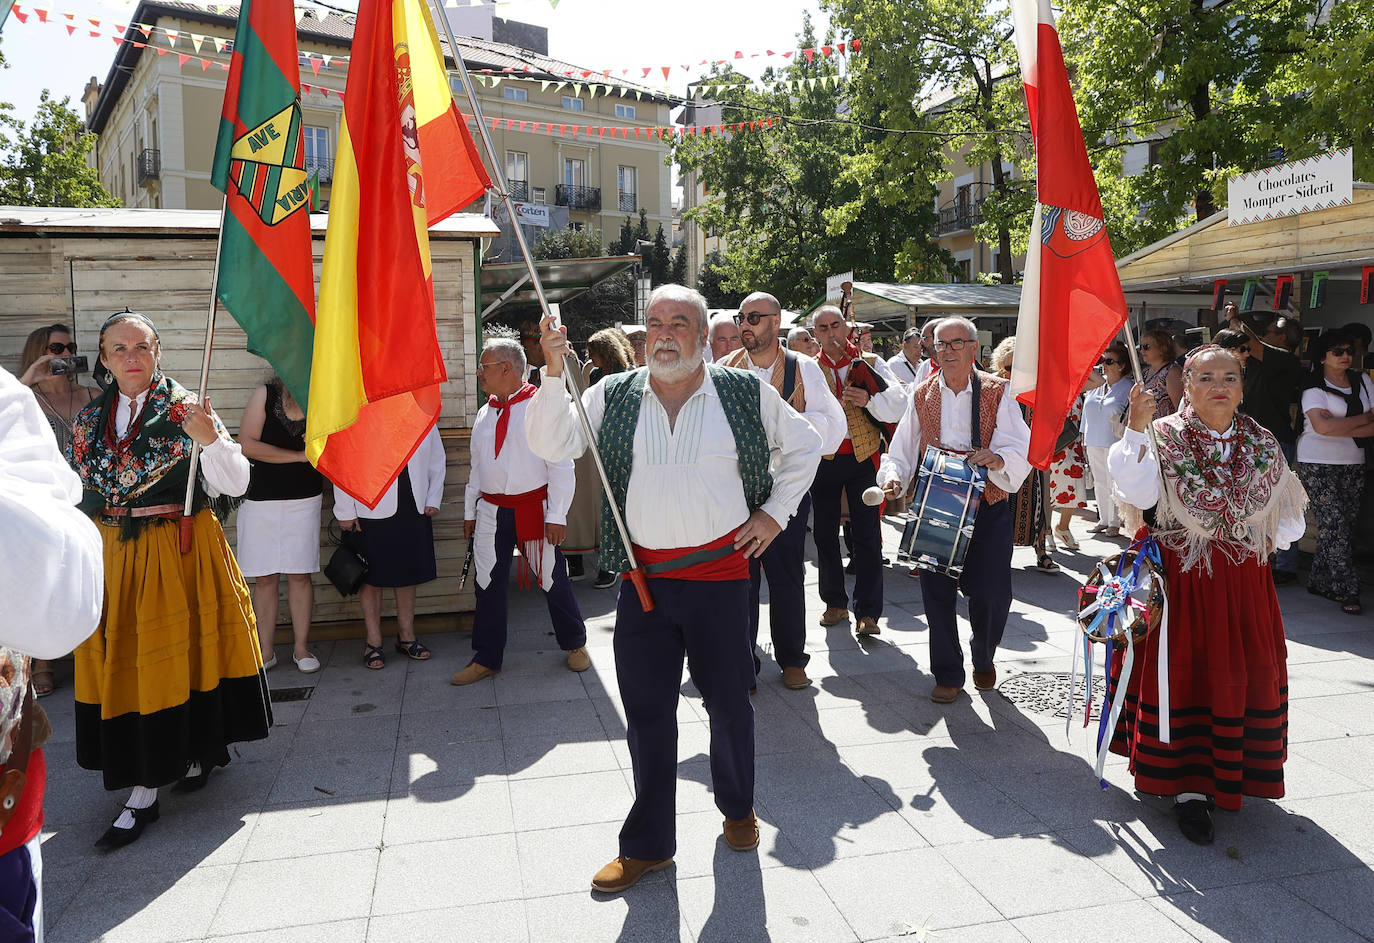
{"x":173,"y":674}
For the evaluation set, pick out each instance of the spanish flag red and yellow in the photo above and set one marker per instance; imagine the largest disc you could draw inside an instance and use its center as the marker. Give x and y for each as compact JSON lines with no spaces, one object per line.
{"x":405,"y":161}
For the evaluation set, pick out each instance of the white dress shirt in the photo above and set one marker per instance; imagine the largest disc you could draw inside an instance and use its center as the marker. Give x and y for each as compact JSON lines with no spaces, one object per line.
{"x":1010,"y":438}
{"x":1135,"y":477}
{"x":222,"y":464}
{"x":516,"y":471}
{"x":52,"y":569}
{"x":887,"y":406}
{"x":823,"y":412}
{"x":924,"y":369}
{"x":904,"y":370}
{"x":685,"y":488}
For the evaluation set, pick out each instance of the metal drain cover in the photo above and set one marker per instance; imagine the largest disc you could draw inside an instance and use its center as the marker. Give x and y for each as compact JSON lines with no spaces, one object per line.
{"x":1047,"y":692}
{"x":280,"y":695}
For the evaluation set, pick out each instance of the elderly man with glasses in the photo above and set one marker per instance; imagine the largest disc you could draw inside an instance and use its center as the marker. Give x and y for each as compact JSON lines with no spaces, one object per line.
{"x":799,"y":382}
{"x":961,"y":409}
{"x":513,"y":499}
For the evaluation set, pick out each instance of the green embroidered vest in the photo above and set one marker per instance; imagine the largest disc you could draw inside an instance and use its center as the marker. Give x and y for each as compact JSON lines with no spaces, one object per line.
{"x":738,"y":391}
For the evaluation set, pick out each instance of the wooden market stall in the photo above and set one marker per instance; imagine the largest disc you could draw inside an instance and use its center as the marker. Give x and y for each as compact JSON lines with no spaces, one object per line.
{"x":78,"y":266}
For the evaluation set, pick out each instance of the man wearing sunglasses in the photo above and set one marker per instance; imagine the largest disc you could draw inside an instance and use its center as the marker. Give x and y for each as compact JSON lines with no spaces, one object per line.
{"x":799,"y":382}
{"x":1272,"y":378}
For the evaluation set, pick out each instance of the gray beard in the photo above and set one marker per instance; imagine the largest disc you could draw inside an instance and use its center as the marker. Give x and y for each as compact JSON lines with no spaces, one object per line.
{"x":678,"y":370}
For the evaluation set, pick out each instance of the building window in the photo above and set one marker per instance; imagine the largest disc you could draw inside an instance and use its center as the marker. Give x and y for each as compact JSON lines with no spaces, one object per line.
{"x":318,"y":156}
{"x":625,"y":111}
{"x":574,"y":172}
{"x":1154,"y":149}
{"x":517,"y":165}
{"x":540,"y":195}
{"x":455,"y":84}
{"x":628,"y":200}
{"x":574,"y":104}
{"x":515,"y":94}
{"x":962,"y":268}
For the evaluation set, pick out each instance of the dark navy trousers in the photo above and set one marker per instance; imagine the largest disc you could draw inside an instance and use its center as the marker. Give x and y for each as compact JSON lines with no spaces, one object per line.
{"x":707,"y":622}
{"x":845,"y":473}
{"x":782,"y":564}
{"x":489,"y":621}
{"x":18,"y":896}
{"x":986,"y":582}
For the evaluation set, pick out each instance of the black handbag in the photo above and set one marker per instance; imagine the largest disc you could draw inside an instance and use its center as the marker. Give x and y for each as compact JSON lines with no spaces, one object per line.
{"x":1067,"y":436}
{"x":347,"y":567}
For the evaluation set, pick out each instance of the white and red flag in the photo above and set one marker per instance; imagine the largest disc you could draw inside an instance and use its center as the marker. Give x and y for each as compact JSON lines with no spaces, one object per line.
{"x":1071,"y":300}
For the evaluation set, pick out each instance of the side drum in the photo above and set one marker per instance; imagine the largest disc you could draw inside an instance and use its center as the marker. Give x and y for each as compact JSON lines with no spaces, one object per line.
{"x":948,"y":490}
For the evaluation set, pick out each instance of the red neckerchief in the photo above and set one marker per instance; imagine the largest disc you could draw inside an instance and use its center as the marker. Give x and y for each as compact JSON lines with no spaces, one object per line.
{"x":112,"y":439}
{"x":850,"y":353}
{"x":503,"y":411}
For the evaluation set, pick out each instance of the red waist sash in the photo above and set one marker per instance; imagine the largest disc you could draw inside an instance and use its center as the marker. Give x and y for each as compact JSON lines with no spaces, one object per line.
{"x":731,"y":565}
{"x":529,"y":511}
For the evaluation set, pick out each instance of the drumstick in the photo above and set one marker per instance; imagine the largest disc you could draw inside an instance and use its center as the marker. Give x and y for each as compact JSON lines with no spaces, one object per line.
{"x":874,"y":496}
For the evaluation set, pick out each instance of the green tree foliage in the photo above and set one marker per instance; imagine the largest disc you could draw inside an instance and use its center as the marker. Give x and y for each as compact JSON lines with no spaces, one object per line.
{"x":789,"y":208}
{"x":658,"y":260}
{"x":43,"y":162}
{"x":677,"y":272}
{"x":710,"y":282}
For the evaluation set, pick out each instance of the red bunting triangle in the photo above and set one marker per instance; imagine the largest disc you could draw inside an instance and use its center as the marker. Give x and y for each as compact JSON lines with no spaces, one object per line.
{"x":145,"y":30}
{"x":182,"y":58}
{"x":315,"y":65}
{"x":20,"y":15}
{"x":854,"y":45}
{"x":161,"y":51}
{"x":118,"y":40}
{"x":825,"y":51}
{"x":42,"y":15}
{"x":71,"y":30}
{"x":666,"y":70}
{"x":788,"y":55}
{"x":305,"y":88}
{"x":205,"y":65}
{"x":810,"y":54}
{"x":140,"y":45}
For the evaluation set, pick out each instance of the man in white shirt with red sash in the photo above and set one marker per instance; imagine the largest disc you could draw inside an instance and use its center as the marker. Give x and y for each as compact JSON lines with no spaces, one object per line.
{"x":708,"y":464}
{"x":799,"y":382}
{"x":961,"y":409}
{"x":870,"y":395}
{"x":515,"y":499}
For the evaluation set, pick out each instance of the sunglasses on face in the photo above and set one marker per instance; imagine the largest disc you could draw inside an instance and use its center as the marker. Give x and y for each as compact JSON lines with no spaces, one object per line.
{"x":1110,"y":361}
{"x":753,"y":317}
{"x":1244,"y":349}
{"x":1341,"y":351}
{"x":1147,"y":346}
{"x":57,"y":349}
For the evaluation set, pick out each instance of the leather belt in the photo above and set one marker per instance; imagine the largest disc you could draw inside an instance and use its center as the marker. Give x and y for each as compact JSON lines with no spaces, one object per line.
{"x":170,"y":512}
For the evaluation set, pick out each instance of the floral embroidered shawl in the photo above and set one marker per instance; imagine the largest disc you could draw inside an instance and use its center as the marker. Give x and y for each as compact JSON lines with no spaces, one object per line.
{"x":1234,"y":507}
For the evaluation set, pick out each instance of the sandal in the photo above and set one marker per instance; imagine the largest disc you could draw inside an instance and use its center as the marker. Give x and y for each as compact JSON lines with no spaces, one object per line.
{"x":1351,"y":606}
{"x":41,"y":688}
{"x":373,"y":657}
{"x":1046,"y":562}
{"x":412,"y":649}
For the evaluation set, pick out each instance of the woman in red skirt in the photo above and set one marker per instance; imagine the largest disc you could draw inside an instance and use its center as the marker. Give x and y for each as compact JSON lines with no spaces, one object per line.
{"x":1227,"y":501}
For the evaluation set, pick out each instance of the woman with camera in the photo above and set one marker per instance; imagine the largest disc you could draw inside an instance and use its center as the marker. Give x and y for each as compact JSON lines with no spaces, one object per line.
{"x":49,"y":367}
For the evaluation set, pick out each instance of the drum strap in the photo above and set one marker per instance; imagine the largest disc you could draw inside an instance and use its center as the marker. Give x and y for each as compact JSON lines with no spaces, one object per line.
{"x":789,"y":374}
{"x":976,"y":439}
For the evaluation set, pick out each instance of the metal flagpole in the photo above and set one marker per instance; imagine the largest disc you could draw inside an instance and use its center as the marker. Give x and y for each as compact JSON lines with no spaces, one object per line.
{"x":498,"y":174}
{"x":186,"y":522}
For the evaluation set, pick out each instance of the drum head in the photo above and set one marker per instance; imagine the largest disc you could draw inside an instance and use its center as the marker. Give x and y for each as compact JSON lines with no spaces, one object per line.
{"x":1137,"y":605}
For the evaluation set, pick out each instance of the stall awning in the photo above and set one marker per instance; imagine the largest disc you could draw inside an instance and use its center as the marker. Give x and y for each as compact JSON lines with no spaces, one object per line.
{"x":506,"y":289}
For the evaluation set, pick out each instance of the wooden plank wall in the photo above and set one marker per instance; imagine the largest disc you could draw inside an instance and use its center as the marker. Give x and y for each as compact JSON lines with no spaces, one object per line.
{"x":82,"y":280}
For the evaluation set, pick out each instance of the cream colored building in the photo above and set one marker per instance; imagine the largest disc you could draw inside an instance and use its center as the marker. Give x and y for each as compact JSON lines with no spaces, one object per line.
{"x":157,"y":117}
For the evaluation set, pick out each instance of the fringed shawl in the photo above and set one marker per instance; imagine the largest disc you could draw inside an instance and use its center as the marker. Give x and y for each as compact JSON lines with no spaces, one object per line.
{"x":1233,"y":507}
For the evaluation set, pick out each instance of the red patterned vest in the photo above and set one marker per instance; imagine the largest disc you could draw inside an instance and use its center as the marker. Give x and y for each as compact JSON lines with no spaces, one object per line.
{"x":927,"y":399}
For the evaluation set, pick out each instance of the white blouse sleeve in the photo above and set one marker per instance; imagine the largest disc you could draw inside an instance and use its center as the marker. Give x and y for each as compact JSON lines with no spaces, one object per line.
{"x":224,"y":468}
{"x":1134,"y":469}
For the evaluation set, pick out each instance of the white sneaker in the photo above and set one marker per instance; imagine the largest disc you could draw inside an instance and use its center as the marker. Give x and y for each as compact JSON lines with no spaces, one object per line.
{"x":308,"y":665}
{"x":1066,"y":539}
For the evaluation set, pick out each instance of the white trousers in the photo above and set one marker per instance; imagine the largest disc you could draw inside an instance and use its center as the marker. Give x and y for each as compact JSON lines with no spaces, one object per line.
{"x":1107,"y":513}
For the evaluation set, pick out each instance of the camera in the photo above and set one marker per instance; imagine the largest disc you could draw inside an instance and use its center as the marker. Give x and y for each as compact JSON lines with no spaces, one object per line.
{"x":60,"y":366}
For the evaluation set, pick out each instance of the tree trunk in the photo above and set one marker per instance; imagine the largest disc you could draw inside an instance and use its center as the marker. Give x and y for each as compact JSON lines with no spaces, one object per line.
{"x":1201,"y":106}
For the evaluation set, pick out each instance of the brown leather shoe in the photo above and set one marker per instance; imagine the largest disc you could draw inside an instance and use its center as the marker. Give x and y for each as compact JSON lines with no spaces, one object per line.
{"x":795,"y":678}
{"x":742,"y":834}
{"x":944,"y":694}
{"x":868,"y":626}
{"x":985,"y":680}
{"x":624,"y":872}
{"x":834,"y":615}
{"x":473,"y":673}
{"x":579,"y":660}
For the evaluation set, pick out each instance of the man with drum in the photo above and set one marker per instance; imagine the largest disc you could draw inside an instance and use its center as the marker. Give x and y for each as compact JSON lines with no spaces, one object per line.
{"x":799,"y":382}
{"x":961,"y":409}
{"x":870,"y":395}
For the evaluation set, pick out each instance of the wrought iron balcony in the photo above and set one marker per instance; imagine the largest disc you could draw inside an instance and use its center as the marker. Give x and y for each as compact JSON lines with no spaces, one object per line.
{"x":324,"y":165}
{"x":578,"y":198}
{"x":959,"y":215}
{"x":149,"y":165}
{"x":629,"y":201}
{"x":519,"y":190}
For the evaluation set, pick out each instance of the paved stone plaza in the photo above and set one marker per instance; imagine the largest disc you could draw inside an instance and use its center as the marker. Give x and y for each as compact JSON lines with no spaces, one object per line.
{"x":391,"y":806}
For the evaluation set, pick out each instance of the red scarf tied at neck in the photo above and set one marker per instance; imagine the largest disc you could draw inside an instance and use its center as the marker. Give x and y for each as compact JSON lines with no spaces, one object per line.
{"x":503,"y":411}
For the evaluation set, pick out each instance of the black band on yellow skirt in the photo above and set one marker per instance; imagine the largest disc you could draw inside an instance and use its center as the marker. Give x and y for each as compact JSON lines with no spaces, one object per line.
{"x":154,"y":749}
{"x":173,"y":674}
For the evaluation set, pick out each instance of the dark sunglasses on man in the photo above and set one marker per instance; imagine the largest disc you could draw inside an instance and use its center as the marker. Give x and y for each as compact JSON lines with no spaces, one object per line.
{"x":1341,"y":351}
{"x":1110,"y":361}
{"x":753,"y":317}
{"x":57,"y":349}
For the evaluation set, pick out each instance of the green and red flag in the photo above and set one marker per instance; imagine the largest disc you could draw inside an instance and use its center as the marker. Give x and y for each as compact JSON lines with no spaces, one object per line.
{"x":266,"y":278}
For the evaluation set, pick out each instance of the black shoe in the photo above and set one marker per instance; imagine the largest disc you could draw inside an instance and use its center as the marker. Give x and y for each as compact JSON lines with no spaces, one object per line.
{"x":194,"y":783}
{"x":605,"y":579}
{"x":1284,"y":577}
{"x":851,"y":568}
{"x":575,"y":571}
{"x":1195,"y":820}
{"x":119,"y":837}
